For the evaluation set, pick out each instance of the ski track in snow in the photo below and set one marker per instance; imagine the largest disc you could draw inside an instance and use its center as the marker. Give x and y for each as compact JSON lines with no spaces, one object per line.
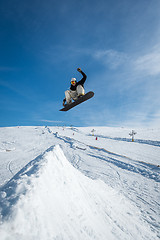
{"x":141,"y":141}
{"x":145,"y":170}
{"x":104,"y":195}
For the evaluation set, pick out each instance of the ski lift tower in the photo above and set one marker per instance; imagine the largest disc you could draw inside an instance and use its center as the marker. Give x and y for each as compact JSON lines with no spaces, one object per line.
{"x":93,"y":131}
{"x":132,"y":135}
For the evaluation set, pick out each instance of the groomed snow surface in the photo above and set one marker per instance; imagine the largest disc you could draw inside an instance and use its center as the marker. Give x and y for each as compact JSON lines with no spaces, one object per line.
{"x":60,"y":183}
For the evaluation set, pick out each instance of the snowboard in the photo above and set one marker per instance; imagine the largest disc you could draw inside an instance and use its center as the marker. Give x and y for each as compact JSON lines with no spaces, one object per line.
{"x":78,"y":101}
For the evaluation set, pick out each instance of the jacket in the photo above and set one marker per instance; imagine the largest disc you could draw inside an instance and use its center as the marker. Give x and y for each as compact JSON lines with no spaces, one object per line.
{"x":81,"y":82}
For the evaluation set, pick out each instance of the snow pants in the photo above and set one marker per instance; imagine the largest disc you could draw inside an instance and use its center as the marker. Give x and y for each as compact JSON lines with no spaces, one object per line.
{"x":69,"y":94}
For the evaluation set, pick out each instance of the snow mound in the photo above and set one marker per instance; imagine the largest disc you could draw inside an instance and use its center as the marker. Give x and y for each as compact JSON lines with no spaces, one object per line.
{"x":50,"y":199}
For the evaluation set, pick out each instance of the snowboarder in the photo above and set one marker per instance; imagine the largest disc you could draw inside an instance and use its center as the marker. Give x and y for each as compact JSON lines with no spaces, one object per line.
{"x":76,"y":89}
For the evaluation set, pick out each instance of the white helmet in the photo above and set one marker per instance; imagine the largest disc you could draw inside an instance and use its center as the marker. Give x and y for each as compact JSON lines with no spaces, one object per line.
{"x":73,"y":80}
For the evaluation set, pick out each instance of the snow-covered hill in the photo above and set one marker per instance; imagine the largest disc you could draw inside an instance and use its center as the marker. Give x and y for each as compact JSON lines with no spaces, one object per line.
{"x":62,"y":183}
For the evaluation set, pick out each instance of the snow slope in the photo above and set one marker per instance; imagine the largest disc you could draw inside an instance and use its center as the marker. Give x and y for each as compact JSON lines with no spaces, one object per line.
{"x":61,"y":183}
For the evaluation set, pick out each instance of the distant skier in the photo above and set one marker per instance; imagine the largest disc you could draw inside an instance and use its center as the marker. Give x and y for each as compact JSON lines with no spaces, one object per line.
{"x":76,"y":89}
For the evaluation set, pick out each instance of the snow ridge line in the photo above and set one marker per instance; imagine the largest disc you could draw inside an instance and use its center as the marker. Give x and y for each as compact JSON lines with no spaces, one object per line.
{"x":150,"y":172}
{"x":8,"y":196}
{"x":154,"y":175}
{"x":140,"y":141}
{"x":119,"y":155}
{"x":69,"y":139}
{"x":61,"y":207}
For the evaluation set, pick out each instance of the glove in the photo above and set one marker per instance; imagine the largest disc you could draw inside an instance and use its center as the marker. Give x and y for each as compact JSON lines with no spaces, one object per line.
{"x":64,"y":102}
{"x":79,"y":70}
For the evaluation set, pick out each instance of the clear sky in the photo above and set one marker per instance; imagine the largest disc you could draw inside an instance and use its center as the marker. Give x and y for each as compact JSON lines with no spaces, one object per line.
{"x":115,"y":42}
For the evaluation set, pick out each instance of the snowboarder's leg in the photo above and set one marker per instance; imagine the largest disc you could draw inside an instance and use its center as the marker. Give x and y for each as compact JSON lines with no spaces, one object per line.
{"x":73,"y":95}
{"x":80,"y":90}
{"x":68,"y":97}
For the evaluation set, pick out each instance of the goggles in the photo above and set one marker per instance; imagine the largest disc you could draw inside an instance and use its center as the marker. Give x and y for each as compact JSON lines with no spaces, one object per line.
{"x":73,"y":82}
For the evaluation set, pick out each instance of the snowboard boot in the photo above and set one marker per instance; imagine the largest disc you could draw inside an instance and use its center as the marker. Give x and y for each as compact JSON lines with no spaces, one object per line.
{"x":81,"y":95}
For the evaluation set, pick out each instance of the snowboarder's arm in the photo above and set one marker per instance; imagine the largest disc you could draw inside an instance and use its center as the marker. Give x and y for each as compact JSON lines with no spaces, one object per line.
{"x":82,"y":81}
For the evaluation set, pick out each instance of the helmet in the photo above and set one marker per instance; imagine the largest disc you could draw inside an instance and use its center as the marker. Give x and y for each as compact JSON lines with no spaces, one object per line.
{"x":73,"y":80}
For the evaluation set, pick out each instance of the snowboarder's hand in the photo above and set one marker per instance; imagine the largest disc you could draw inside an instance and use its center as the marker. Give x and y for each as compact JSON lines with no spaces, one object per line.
{"x":79,"y":70}
{"x":64,"y":102}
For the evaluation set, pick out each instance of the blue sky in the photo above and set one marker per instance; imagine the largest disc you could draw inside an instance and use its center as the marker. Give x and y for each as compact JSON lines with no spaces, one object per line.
{"x":116,"y":43}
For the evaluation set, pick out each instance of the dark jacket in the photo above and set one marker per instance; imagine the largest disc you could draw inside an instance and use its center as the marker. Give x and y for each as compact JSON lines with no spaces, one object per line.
{"x":81,"y":82}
